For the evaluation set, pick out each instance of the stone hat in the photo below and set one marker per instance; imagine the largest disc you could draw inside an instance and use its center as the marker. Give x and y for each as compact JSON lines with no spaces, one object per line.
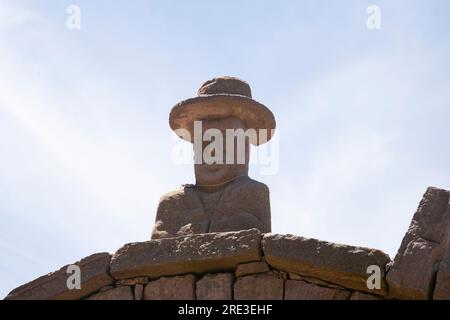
{"x":221,"y":98}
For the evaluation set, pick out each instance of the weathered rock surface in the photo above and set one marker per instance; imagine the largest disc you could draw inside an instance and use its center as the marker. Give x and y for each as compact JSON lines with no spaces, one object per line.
{"x":245,"y":269}
{"x":259,"y":287}
{"x":119,"y":293}
{"x":173,"y":288}
{"x":340,"y":264}
{"x":200,"y":253}
{"x":318,"y":282}
{"x":442,"y":288}
{"x":106,"y":288}
{"x":244,"y":204}
{"x":138,"y":292}
{"x":132,"y":281}
{"x":412,"y":274}
{"x":53,"y":286}
{"x":301,"y":290}
{"x":215,"y":287}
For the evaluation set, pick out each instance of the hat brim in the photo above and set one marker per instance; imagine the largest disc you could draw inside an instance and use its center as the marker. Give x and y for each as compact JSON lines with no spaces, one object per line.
{"x":254,"y":114}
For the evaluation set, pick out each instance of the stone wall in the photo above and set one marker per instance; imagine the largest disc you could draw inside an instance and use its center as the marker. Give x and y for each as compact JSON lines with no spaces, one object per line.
{"x":253,"y":266}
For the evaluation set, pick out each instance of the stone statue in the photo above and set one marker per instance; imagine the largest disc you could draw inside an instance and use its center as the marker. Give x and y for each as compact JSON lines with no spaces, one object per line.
{"x":224,"y":198}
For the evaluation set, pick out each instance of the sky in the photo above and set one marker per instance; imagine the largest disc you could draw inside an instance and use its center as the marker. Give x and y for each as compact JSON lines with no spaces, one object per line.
{"x":85,"y":148}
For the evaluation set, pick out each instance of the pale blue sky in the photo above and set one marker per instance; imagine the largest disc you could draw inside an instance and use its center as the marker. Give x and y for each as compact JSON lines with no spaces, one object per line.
{"x":85,"y":147}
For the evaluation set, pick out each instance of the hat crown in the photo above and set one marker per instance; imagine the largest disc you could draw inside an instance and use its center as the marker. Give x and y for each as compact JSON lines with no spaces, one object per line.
{"x":225,"y":85}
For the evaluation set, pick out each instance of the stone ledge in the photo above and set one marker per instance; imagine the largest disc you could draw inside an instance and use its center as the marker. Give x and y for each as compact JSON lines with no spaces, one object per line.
{"x":300,"y":290}
{"x":198,"y":254}
{"x":340,"y":264}
{"x":53,"y":286}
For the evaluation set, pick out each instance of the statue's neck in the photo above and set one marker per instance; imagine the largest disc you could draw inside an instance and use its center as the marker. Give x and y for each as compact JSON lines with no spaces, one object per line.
{"x":217,"y":187}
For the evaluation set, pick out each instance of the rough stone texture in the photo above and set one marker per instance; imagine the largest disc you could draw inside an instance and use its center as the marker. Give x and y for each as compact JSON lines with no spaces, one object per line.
{"x":340,"y":264}
{"x":293,"y":276}
{"x":119,"y":293}
{"x":281,"y":274}
{"x":320,"y":283}
{"x":412,"y":274}
{"x":442,"y":288}
{"x":132,"y":281}
{"x":106,"y":288}
{"x":241,"y":204}
{"x":138,"y":291}
{"x":202,"y":253}
{"x":53,"y":286}
{"x":173,"y":288}
{"x":215,"y":287}
{"x":363,"y":296}
{"x":301,"y":290}
{"x":259,"y":287}
{"x":245,"y":269}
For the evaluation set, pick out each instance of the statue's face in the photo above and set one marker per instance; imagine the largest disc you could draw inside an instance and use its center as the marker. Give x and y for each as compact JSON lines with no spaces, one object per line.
{"x":209,"y":174}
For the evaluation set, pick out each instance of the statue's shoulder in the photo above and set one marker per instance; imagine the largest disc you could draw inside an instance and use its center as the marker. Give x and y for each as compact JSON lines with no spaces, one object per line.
{"x":250,"y":184}
{"x":247,"y":188}
{"x":177,"y":195}
{"x":170,"y":210}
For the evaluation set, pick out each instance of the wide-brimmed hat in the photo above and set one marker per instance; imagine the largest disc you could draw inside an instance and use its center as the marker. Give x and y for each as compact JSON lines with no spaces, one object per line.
{"x":222,"y":98}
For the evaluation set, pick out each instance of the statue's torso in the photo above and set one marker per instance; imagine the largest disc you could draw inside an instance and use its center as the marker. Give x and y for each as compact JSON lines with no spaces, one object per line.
{"x":239,"y":205}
